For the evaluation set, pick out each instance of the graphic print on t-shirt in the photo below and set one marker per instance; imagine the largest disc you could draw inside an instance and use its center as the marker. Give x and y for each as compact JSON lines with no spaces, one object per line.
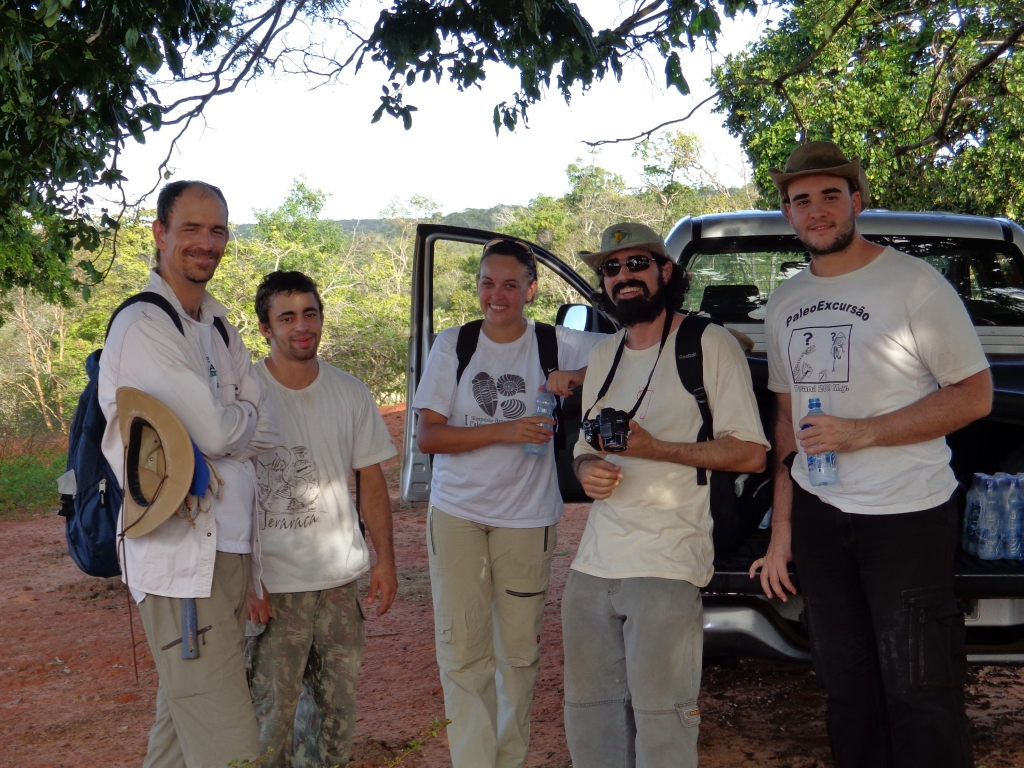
{"x":487,"y":392}
{"x":289,"y":486}
{"x":820,"y":354}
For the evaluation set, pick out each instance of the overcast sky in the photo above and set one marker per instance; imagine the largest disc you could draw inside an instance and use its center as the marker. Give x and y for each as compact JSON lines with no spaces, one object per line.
{"x":256,"y":141}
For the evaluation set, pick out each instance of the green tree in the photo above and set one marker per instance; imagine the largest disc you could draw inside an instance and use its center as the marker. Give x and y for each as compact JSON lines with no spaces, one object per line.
{"x":927,"y":93}
{"x":78,"y":79}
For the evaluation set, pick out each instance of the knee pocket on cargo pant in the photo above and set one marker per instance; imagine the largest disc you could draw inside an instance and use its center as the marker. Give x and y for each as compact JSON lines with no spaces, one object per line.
{"x":688,"y":713}
{"x":935,"y":634}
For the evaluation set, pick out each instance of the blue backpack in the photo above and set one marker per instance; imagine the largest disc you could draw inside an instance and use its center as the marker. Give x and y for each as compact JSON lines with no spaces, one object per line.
{"x":90,"y":513}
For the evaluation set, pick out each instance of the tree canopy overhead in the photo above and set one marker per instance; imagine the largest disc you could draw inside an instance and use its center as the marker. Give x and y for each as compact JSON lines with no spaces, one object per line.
{"x":929,"y":94}
{"x":80,"y":78}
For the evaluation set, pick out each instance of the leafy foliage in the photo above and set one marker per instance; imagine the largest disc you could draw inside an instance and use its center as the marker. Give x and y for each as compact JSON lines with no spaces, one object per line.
{"x":927,"y":93}
{"x":77,"y":79}
{"x":541,"y":39}
{"x":73,"y":85}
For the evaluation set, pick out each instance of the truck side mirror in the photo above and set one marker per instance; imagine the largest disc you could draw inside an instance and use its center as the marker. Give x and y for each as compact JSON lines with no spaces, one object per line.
{"x":583,"y":317}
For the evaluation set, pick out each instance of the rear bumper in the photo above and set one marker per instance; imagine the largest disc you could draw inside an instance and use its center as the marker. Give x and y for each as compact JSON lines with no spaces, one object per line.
{"x":742,"y":625}
{"x":746,"y":626}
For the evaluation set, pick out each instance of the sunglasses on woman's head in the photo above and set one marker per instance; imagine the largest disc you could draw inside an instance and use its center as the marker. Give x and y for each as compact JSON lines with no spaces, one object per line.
{"x":612,"y":267}
{"x":508,"y":242}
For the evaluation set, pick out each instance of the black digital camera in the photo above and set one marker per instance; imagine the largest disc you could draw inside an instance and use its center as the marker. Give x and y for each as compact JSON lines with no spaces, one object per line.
{"x":611,"y":426}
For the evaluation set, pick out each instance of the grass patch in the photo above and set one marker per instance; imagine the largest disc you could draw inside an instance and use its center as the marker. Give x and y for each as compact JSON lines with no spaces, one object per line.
{"x":29,"y":468}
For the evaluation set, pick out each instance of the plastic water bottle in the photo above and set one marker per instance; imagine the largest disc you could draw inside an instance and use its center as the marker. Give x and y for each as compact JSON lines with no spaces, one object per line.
{"x":1010,"y":545}
{"x":989,"y":519}
{"x":545,"y":407}
{"x":821,"y":468}
{"x":972,"y":514}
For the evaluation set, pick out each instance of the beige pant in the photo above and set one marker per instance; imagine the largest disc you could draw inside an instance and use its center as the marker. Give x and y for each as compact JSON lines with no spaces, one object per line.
{"x":204,"y":716}
{"x":488,"y":586}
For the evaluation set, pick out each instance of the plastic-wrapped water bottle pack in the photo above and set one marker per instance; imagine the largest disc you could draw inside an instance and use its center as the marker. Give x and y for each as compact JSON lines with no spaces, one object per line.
{"x":994,"y":517}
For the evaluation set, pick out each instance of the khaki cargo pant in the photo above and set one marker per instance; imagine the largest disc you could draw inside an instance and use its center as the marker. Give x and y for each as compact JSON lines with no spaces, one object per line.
{"x":488,"y":586}
{"x":305,"y":666}
{"x":204,"y":716}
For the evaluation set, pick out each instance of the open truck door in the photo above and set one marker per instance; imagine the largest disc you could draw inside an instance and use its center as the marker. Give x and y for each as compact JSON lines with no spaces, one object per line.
{"x":445,"y":262}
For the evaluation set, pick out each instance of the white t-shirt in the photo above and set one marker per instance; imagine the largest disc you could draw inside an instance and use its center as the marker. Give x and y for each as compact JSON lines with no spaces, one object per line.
{"x":867,"y":343}
{"x":309,"y":531}
{"x":657,"y":522}
{"x":499,"y":484}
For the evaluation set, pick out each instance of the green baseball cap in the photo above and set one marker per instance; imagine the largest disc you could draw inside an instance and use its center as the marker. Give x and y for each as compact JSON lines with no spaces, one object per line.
{"x":619,"y":237}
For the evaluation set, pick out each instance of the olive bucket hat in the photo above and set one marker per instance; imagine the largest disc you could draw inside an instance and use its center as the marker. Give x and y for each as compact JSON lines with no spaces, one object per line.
{"x":618,"y":237}
{"x":159,"y":461}
{"x":817,"y":158}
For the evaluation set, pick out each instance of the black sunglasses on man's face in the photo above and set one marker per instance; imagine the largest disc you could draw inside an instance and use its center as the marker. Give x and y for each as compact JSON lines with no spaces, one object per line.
{"x":612,"y":267}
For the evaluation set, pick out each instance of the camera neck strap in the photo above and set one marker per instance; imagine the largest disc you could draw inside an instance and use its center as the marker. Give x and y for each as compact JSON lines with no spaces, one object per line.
{"x":615,"y":365}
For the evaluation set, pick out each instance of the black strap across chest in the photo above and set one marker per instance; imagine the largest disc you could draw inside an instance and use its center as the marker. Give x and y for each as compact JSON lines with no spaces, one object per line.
{"x":690,"y":364}
{"x":149,"y":297}
{"x":666,"y":329}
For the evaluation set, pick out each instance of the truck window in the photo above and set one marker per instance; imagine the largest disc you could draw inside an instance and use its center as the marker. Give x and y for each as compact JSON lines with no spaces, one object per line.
{"x":731,"y":279}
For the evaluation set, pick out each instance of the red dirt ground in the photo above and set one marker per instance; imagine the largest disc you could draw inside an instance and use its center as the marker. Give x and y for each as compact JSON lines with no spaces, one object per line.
{"x":68,"y":695}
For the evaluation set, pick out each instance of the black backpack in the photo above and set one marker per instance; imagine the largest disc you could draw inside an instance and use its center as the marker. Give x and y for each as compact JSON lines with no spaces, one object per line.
{"x":738,"y":501}
{"x":90,"y":513}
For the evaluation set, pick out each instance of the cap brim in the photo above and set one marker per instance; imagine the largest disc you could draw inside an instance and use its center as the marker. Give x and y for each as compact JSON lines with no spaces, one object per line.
{"x":594,"y":259}
{"x":138,"y":518}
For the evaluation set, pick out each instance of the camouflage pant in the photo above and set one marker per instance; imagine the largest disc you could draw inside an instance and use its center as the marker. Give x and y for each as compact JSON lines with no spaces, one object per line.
{"x":312,"y":647}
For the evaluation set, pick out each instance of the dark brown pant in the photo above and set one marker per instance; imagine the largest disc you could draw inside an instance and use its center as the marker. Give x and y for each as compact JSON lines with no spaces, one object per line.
{"x":887,"y":635}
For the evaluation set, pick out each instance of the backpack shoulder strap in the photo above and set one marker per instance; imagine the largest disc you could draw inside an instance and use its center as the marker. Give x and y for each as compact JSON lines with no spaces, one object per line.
{"x":465,"y":346}
{"x":690,"y":364}
{"x":148,"y":297}
{"x":547,"y":351}
{"x":218,"y":323}
{"x":547,"y":347}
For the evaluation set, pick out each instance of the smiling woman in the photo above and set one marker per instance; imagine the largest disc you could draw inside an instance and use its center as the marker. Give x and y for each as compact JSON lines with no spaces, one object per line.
{"x":492,"y":503}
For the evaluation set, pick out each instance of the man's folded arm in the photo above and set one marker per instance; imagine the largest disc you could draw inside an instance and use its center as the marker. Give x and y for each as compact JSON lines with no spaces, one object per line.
{"x":153,"y":362}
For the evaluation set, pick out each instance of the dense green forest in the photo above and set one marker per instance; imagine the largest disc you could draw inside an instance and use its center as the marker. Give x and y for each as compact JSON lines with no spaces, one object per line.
{"x":363,"y":269}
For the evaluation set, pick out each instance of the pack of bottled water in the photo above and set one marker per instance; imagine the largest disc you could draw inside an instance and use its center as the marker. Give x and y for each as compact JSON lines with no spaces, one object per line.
{"x":994,"y":517}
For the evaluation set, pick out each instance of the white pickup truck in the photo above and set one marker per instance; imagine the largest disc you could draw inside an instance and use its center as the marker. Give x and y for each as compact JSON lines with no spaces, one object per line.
{"x":736,"y":260}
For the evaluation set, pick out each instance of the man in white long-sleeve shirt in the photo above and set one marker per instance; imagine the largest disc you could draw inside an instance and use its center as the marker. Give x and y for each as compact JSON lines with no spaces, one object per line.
{"x":203,"y":712}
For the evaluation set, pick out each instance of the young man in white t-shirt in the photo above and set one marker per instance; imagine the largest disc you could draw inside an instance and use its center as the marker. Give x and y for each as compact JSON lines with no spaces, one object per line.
{"x":312,"y":548}
{"x":632,"y":623}
{"x":885,"y":343}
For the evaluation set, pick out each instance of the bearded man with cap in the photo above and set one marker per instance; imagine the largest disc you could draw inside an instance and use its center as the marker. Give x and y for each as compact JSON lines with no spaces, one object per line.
{"x":874,"y":550}
{"x":632,"y":619}
{"x":204,"y":715}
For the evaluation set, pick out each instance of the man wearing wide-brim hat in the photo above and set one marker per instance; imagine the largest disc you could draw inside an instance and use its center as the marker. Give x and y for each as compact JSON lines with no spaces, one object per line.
{"x":632,"y":623}
{"x":886,"y":345}
{"x":188,"y":551}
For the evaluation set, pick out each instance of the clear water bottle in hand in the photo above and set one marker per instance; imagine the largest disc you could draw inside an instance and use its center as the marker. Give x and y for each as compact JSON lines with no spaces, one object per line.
{"x":545,"y":407}
{"x":989,"y":519}
{"x":821,"y":468}
{"x":972,"y":514}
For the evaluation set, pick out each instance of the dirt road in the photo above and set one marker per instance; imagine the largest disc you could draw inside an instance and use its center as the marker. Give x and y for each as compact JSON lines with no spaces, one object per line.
{"x":68,"y":695}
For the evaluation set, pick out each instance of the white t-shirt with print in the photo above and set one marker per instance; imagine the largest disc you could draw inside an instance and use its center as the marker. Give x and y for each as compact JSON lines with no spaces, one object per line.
{"x":309,"y":531}
{"x":657,"y":522}
{"x":499,"y":484}
{"x":868,"y":343}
